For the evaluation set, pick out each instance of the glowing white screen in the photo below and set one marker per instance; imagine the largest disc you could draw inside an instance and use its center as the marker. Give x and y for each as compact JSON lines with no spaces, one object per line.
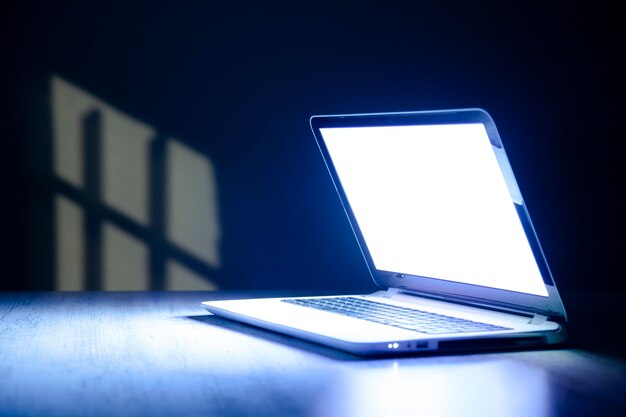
{"x":432,"y":201}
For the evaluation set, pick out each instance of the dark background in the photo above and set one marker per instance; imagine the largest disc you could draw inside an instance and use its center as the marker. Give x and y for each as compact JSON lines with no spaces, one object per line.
{"x":238,"y":81}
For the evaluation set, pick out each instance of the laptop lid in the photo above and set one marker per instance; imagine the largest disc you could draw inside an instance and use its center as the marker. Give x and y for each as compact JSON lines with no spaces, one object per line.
{"x":435,"y":207}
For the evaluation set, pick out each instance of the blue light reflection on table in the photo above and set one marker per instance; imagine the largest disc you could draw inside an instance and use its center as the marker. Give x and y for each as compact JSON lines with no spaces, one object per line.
{"x":161,"y":354}
{"x":491,"y":388}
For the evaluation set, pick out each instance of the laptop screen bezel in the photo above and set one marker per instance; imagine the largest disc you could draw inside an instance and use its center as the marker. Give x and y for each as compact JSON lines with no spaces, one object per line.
{"x":551,"y":305}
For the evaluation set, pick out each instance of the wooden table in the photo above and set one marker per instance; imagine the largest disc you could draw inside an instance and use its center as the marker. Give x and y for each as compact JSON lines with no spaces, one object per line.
{"x":162,"y":354}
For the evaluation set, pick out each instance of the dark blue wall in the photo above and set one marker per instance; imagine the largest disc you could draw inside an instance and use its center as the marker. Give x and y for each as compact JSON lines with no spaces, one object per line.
{"x":238,"y":81}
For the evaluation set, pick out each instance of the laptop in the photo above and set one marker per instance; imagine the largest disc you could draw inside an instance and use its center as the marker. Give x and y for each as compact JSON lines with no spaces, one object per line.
{"x":442,"y":225}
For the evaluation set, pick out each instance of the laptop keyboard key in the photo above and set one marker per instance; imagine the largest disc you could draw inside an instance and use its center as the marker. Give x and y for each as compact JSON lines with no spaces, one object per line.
{"x":402,"y":317}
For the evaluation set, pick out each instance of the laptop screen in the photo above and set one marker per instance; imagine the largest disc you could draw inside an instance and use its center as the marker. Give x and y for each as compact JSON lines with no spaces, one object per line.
{"x":433,"y":201}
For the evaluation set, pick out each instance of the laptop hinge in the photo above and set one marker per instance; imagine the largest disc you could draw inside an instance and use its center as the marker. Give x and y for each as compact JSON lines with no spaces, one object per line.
{"x":391,"y":292}
{"x":538,"y":319}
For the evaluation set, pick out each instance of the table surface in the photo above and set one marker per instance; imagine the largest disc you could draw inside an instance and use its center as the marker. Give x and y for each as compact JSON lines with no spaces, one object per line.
{"x":162,"y":354}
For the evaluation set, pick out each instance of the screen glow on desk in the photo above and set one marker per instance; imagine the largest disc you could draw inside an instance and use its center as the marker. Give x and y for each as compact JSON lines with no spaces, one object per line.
{"x":495,"y":388}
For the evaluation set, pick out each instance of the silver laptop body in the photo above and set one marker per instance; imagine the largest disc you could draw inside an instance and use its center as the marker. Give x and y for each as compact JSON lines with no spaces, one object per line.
{"x":445,"y":233}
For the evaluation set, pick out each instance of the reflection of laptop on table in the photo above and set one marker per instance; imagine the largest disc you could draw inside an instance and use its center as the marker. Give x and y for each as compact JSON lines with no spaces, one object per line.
{"x":442,"y":225}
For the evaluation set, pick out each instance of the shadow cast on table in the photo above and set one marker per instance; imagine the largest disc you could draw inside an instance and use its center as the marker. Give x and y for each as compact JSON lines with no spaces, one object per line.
{"x":596,"y":321}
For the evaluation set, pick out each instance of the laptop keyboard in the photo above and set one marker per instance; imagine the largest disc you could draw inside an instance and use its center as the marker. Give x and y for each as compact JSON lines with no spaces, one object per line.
{"x":391,"y":315}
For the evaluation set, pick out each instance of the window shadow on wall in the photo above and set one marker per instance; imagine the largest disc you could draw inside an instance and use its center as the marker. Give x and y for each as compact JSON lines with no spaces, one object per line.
{"x":118,"y":205}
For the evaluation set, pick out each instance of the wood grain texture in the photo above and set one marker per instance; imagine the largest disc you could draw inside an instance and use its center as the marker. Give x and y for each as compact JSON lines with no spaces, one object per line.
{"x":162,"y":354}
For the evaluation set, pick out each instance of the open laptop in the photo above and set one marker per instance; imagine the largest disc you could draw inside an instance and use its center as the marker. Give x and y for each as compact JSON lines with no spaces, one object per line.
{"x":445,"y":233}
